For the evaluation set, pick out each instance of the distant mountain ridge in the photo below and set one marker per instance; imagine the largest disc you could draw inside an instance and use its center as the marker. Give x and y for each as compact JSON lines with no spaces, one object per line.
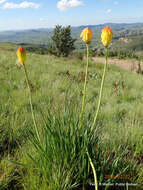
{"x":43,"y":35}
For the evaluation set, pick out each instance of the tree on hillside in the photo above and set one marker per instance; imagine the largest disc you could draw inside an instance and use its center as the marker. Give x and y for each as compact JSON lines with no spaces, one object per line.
{"x":63,"y":41}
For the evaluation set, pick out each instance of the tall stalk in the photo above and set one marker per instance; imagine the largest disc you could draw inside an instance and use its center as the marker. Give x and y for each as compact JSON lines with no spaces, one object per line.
{"x":85,"y":86}
{"x":30,"y":99}
{"x":94,"y":172}
{"x":101,"y":88}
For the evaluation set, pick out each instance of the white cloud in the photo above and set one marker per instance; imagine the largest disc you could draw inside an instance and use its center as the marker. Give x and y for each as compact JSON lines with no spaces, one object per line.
{"x":116,"y":3}
{"x":2,"y":1}
{"x":24,"y":4}
{"x":64,"y":5}
{"x":108,"y":11}
{"x":43,"y":19}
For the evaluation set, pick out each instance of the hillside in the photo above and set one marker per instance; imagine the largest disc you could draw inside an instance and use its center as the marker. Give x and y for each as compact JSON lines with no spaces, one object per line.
{"x":126,"y":36}
{"x":57,"y":83}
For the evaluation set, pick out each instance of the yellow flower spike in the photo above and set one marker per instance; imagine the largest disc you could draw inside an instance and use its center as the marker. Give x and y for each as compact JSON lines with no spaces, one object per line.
{"x":106,"y":36}
{"x":21,"y":54}
{"x":86,"y":35}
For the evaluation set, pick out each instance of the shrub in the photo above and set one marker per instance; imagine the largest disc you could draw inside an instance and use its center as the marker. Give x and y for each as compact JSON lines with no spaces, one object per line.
{"x":63,"y":41}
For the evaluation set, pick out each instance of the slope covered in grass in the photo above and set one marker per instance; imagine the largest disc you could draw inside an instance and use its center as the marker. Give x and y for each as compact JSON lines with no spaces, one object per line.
{"x":57,"y":85}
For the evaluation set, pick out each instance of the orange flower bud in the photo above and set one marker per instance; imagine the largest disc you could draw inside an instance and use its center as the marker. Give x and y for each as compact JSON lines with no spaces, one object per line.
{"x":21,"y":54}
{"x":86,"y":35}
{"x":106,"y":36}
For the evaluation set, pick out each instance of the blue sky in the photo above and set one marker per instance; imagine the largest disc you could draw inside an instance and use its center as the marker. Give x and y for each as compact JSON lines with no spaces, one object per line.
{"x":25,"y":14}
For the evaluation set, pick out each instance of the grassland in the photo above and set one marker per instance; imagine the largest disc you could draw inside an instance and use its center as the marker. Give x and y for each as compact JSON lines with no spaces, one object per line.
{"x":60,"y":162}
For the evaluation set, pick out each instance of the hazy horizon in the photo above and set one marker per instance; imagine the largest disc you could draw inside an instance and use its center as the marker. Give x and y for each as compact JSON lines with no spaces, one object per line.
{"x":44,"y":28}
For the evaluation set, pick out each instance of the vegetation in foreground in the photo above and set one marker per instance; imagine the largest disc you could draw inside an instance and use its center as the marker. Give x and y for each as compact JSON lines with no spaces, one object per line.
{"x":115,"y":148}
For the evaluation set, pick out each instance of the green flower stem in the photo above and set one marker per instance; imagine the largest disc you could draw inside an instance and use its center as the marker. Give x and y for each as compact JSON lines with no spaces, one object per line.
{"x":30,"y":98}
{"x":101,"y":88}
{"x":85,"y":86}
{"x":94,"y":172}
{"x":83,"y":186}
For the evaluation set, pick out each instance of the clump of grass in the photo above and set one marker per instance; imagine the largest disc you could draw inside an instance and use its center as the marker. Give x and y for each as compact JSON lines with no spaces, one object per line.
{"x":61,"y":160}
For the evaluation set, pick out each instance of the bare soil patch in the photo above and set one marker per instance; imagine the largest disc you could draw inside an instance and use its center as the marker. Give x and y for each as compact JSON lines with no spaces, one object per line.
{"x":130,"y":64}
